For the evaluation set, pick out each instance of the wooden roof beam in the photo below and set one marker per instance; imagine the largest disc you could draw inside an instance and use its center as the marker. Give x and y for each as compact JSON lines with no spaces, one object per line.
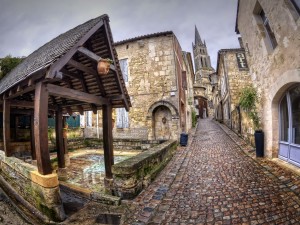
{"x":74,"y":94}
{"x":27,"y":104}
{"x":59,"y":64}
{"x":82,"y":67}
{"x":72,"y":75}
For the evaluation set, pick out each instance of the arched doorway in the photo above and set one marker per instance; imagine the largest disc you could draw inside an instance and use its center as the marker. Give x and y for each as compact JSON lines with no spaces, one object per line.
{"x":162,"y":119}
{"x":289,"y":118}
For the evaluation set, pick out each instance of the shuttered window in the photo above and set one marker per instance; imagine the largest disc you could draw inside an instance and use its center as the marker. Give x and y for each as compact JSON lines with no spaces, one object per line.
{"x":124,"y":68}
{"x":122,"y":118}
{"x":89,"y":118}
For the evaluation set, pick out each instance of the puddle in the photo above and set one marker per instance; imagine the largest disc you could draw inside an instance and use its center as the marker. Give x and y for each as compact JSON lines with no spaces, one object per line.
{"x":88,"y":171}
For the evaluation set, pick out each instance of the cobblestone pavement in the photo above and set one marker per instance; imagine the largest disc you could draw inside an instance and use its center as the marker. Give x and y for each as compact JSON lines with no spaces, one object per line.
{"x":214,"y":182}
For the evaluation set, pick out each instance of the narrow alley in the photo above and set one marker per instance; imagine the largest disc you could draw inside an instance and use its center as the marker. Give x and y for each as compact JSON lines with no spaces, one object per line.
{"x":214,"y":182}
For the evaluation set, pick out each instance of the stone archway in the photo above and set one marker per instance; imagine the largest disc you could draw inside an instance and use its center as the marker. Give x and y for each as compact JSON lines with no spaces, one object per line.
{"x":163,"y":120}
{"x":271,"y":110}
{"x":162,"y":123}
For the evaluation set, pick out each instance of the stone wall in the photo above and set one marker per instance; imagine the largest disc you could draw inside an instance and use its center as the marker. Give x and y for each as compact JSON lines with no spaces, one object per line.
{"x":154,"y":69}
{"x":136,"y":173}
{"x":232,"y":80}
{"x":40,"y":191}
{"x":152,"y":77}
{"x":272,"y":70}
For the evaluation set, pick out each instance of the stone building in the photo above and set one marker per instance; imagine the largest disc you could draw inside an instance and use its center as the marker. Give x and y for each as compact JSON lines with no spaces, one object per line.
{"x":158,"y":77}
{"x":202,"y":85}
{"x":270,"y":31}
{"x":233,"y":76}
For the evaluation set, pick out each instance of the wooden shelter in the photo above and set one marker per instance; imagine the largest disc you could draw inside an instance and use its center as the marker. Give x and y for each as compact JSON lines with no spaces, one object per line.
{"x":61,"y":77}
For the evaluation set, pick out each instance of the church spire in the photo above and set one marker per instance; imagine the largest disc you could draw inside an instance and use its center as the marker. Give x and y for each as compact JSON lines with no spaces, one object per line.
{"x":197,"y":37}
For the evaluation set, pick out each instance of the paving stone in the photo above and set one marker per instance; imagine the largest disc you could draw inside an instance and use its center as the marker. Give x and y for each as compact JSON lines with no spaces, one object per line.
{"x":217,"y":179}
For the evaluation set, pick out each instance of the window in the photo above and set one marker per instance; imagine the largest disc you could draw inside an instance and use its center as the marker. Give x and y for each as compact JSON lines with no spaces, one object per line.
{"x":124,"y":68}
{"x":296,"y":4}
{"x":268,"y":29}
{"x":122,"y":118}
{"x":89,"y":118}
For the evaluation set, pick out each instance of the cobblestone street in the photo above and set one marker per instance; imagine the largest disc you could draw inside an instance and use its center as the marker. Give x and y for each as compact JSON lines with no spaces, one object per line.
{"x":213,"y":181}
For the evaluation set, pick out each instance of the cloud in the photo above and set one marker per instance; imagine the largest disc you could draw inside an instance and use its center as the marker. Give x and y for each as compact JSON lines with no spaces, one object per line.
{"x":25,"y":25}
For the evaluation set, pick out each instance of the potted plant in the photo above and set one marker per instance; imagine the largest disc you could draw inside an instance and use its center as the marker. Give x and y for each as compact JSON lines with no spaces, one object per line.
{"x":248,"y":100}
{"x":104,"y":66}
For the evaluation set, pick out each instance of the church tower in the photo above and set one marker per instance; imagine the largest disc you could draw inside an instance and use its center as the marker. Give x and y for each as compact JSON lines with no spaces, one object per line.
{"x":203,"y":69}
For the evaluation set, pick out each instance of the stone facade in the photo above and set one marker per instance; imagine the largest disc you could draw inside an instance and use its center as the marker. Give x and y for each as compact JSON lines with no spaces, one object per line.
{"x":270,"y":31}
{"x":158,"y":80}
{"x":233,"y":76}
{"x":202,"y":83}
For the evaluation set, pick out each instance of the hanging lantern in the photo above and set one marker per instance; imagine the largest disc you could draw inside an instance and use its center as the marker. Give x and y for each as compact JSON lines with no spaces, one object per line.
{"x":104,"y":66}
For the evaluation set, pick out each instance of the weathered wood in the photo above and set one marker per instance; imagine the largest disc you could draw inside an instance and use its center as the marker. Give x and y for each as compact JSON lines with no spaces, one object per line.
{"x":89,"y":54}
{"x":59,"y":139}
{"x":76,"y":95}
{"x":72,"y":75}
{"x":69,"y":110}
{"x":41,"y":129}
{"x":65,"y":140}
{"x":28,"y":104}
{"x":6,"y":127}
{"x":59,"y":64}
{"x":107,"y":140}
{"x":117,"y":75}
{"x":32,"y":138}
{"x":80,"y":110}
{"x":24,"y":91}
{"x":82,"y":67}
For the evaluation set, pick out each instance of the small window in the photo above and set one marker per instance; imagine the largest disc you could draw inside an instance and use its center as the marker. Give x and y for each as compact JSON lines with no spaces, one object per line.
{"x":122,"y":118}
{"x":268,"y":29}
{"x":124,"y":68}
{"x":89,"y":119}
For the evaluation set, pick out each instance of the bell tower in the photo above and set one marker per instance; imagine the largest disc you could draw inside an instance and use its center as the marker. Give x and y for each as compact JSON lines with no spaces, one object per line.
{"x":203,"y":69}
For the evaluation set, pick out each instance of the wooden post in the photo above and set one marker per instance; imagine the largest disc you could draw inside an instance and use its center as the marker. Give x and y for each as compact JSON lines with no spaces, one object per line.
{"x":59,"y":139}
{"x":33,"y":154}
{"x":108,"y":140}
{"x":65,"y":136}
{"x":41,"y":129}
{"x":6,"y":127}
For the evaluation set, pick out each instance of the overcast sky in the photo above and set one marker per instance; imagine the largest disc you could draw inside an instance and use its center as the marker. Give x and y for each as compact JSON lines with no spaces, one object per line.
{"x":25,"y":25}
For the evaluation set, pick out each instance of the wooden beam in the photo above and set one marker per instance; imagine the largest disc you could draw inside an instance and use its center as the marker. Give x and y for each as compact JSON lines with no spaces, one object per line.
{"x":59,"y":139}
{"x":72,"y":75}
{"x":59,"y":64}
{"x":33,"y":154}
{"x":117,"y":75}
{"x":24,"y":91}
{"x":94,"y":108}
{"x":41,"y":129}
{"x":65,"y":136}
{"x":74,"y":94}
{"x":28,"y":104}
{"x":80,"y":110}
{"x":82,"y":67}
{"x":6,"y":127}
{"x":69,"y":110}
{"x":107,"y":140}
{"x":89,"y":54}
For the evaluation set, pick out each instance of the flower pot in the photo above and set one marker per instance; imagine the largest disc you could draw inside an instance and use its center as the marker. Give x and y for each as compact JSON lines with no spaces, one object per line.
{"x":103,"y":67}
{"x":259,"y":143}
